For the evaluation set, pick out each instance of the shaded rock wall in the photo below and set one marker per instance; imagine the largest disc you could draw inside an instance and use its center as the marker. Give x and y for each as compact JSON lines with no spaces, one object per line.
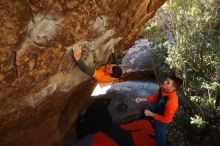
{"x":137,"y":58}
{"x":136,"y":62}
{"x":38,"y":77}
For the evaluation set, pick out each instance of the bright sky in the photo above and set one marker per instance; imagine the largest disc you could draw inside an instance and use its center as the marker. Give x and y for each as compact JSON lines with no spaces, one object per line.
{"x":101,"y":89}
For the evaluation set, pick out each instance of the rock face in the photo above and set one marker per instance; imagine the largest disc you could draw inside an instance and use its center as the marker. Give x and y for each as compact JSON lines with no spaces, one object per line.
{"x":41,"y":88}
{"x":137,"y":58}
{"x":137,"y":61}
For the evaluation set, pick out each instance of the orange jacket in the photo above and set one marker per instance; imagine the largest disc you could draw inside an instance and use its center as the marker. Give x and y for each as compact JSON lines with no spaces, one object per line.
{"x":102,"y":77}
{"x":171,"y":106}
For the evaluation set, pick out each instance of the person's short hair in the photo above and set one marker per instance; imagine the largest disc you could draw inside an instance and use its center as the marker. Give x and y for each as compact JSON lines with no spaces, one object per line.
{"x":177,"y":82}
{"x":116,"y":72}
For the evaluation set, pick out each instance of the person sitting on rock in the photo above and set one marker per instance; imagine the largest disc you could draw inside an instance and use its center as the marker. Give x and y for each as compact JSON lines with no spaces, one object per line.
{"x":105,"y":74}
{"x":166,"y":105}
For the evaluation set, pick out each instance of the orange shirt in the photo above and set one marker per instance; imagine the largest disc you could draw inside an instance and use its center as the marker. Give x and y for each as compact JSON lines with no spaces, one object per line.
{"x":170,"y":107}
{"x":102,"y":77}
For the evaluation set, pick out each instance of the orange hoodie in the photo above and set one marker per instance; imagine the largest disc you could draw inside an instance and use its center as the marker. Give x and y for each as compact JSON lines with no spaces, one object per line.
{"x":171,"y":106}
{"x":102,"y":77}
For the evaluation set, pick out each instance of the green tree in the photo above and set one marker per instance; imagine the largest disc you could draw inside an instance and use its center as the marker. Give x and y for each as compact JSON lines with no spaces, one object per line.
{"x":195,"y":54}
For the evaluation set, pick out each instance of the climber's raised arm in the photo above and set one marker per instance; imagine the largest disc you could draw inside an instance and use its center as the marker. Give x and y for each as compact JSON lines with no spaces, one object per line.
{"x":77,"y":55}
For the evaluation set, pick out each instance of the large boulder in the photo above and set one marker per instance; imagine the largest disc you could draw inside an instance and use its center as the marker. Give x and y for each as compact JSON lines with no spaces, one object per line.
{"x":137,"y":58}
{"x":42,"y":91}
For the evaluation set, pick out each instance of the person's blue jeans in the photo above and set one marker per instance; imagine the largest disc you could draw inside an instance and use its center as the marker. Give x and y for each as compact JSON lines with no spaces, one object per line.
{"x":160,"y":133}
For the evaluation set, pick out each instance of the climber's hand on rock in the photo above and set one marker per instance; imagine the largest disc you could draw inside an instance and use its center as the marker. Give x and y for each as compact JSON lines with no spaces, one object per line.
{"x":77,"y":51}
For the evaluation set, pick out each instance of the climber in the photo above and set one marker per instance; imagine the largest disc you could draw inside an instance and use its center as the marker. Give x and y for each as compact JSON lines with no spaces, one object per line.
{"x":166,"y":105}
{"x":105,"y":74}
